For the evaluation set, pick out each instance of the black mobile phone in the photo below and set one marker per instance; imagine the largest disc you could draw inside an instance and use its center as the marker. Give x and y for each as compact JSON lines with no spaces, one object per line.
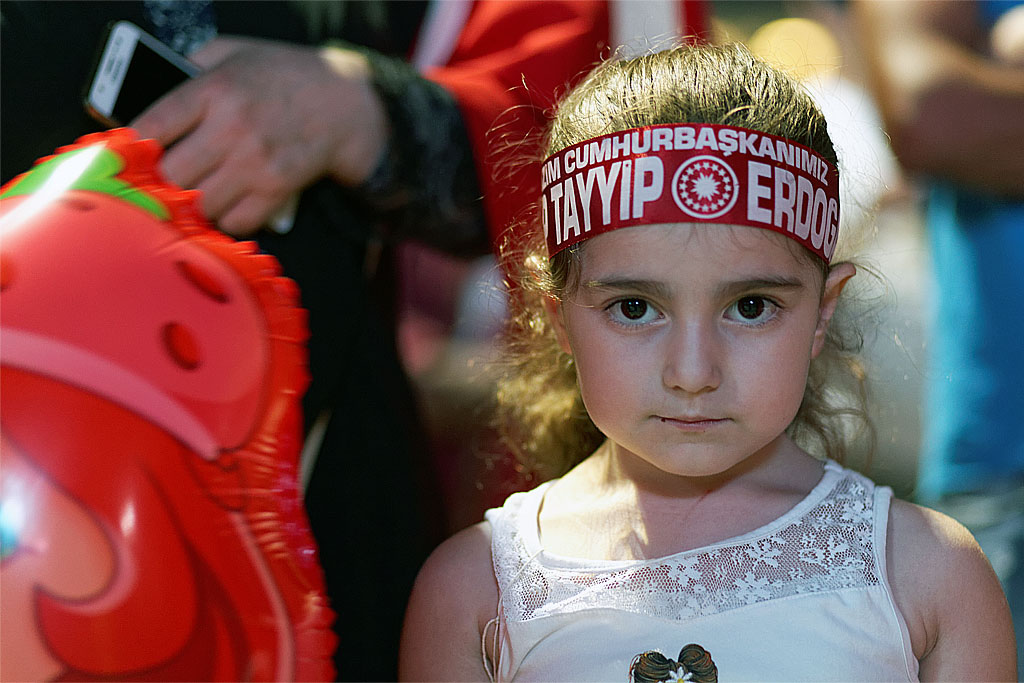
{"x":133,"y":69}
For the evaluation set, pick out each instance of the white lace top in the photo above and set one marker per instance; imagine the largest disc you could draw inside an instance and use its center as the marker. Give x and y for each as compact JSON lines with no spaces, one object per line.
{"x":803,"y":598}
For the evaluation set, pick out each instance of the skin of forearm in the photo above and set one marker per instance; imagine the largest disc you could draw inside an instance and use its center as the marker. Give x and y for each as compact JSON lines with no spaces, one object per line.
{"x":952,"y":112}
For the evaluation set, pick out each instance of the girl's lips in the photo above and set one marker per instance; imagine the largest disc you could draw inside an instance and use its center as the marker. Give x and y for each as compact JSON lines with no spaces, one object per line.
{"x":696,"y":423}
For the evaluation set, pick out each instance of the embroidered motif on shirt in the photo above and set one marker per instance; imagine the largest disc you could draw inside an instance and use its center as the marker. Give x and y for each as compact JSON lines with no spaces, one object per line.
{"x":694,"y":664}
{"x":829,"y":547}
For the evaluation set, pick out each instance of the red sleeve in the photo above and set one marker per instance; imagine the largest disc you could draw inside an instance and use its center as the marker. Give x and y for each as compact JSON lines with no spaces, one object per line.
{"x":512,"y":60}
{"x":695,"y":20}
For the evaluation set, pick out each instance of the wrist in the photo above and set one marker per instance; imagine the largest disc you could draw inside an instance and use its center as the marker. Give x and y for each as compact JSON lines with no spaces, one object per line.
{"x":363,"y":144}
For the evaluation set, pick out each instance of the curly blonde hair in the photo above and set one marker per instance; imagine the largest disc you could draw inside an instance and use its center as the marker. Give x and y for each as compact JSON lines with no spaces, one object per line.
{"x":541,"y":417}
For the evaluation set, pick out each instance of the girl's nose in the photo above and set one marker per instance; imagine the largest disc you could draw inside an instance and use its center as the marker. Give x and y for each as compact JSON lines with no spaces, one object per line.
{"x":692,"y":359}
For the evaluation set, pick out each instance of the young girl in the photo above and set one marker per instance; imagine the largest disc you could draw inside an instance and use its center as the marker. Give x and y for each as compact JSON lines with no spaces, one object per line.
{"x":675,"y":355}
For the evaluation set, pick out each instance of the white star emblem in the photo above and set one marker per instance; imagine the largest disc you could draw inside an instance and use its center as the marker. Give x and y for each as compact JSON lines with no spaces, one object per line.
{"x":705,"y":187}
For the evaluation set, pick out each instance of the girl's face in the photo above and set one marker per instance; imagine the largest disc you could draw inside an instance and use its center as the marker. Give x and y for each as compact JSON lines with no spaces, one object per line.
{"x":692,"y":343}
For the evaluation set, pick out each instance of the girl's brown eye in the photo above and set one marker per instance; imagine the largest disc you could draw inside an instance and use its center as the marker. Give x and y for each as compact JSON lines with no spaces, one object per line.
{"x":633,"y":309}
{"x":750,"y":308}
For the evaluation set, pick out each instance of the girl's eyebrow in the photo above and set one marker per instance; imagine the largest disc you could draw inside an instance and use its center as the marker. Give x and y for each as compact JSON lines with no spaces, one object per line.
{"x":654,"y":288}
{"x":650,"y":288}
{"x":770,"y":282}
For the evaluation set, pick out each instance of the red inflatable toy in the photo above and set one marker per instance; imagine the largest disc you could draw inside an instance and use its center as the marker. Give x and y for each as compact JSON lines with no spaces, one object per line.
{"x":151,"y":524}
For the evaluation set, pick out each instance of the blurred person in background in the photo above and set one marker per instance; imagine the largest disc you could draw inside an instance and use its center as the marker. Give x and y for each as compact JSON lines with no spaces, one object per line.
{"x":949,"y":79}
{"x":372,"y":117}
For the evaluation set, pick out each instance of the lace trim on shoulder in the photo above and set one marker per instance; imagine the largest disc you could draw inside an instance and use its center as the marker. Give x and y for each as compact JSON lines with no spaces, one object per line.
{"x":829,"y":548}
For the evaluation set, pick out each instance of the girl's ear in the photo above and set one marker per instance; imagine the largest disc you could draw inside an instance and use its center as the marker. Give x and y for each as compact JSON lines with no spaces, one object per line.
{"x":554,"y":309}
{"x":837,"y":278}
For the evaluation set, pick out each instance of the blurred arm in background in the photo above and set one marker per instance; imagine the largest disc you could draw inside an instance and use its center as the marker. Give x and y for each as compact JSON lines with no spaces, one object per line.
{"x":951,"y":92}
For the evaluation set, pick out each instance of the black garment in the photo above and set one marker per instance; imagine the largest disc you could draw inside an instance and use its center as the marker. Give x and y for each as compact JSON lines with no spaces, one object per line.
{"x":372,"y":502}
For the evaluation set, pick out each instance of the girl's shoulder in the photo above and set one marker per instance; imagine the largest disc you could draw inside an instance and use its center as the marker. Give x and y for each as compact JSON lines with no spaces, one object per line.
{"x":462,"y":561}
{"x":453,"y":599}
{"x":944,"y":586}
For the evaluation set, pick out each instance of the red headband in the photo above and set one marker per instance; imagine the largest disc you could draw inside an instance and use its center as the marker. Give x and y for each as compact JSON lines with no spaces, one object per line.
{"x":690,"y":173}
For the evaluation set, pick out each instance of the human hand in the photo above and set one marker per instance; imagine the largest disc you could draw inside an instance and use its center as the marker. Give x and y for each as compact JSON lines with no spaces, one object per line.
{"x":264,"y":120}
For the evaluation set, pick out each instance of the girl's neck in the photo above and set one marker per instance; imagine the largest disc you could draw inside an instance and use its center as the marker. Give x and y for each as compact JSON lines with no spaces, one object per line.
{"x":612,"y":507}
{"x":779,"y":465}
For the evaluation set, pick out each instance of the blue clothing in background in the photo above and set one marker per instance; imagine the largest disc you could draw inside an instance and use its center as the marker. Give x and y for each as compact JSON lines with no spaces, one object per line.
{"x":974,"y":412}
